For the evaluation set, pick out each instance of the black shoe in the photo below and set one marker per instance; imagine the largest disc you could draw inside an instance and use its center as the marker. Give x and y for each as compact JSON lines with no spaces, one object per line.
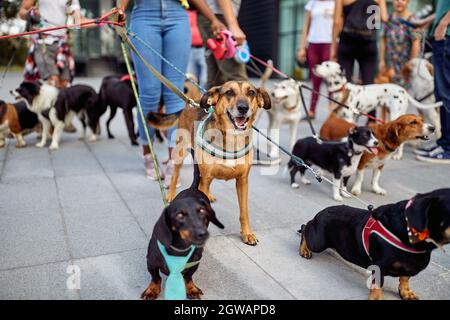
{"x":261,"y":158}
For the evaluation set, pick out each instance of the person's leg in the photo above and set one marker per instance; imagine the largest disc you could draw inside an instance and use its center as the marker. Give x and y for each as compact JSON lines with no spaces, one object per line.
{"x":314,"y":58}
{"x":367,"y":60}
{"x":176,"y":46}
{"x":441,"y":62}
{"x":147,"y":26}
{"x":346,"y":58}
{"x":45,"y":59}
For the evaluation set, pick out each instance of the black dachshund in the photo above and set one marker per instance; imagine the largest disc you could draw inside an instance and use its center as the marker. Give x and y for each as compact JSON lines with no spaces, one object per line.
{"x":182,"y":224}
{"x":397,"y":238}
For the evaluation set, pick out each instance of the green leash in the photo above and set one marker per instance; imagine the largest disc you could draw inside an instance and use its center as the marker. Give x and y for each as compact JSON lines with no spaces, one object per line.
{"x":141,"y":113}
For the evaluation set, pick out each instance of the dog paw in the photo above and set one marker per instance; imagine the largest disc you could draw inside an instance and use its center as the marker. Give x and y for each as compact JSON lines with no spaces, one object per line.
{"x":250,"y":239}
{"x":408,"y":294}
{"x":380,"y":191}
{"x":134,"y":143}
{"x":2,"y":145}
{"x":193,"y":292}
{"x":295,"y":185}
{"x":397,"y":156}
{"x":40,"y":144}
{"x":338,"y":198}
{"x":211,"y":198}
{"x":152,"y":292}
{"x":356,"y":191}
{"x":93,"y":138}
{"x":303,"y":250}
{"x":306,"y":181}
{"x":20,"y":145}
{"x":376,"y":294}
{"x":54,"y":146}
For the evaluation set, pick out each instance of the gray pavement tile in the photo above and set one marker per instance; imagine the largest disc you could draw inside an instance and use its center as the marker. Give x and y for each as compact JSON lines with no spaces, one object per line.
{"x":115,"y":276}
{"x":74,"y":159}
{"x":102,"y":228}
{"x":25,"y":169}
{"x":31,"y":238}
{"x":147,"y":212}
{"x":134,"y":185}
{"x":114,"y":156}
{"x":29,"y":153}
{"x":84,"y":190}
{"x":226,"y":273}
{"x":38,"y":282}
{"x":33,"y":194}
{"x":322,"y":277}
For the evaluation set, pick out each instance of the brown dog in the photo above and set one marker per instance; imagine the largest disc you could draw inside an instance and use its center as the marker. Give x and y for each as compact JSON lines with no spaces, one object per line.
{"x":16,"y":120}
{"x":335,"y":128}
{"x":229,"y":128}
{"x":390,"y":136}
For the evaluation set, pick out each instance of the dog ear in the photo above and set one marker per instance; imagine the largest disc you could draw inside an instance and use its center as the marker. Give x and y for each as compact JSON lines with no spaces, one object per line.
{"x":352,"y":130}
{"x":405,"y":72}
{"x":213,"y":219}
{"x":210,"y":98}
{"x":162,"y":229}
{"x":430,"y":68}
{"x":392,"y":133}
{"x":417,"y":212}
{"x":263,"y":99}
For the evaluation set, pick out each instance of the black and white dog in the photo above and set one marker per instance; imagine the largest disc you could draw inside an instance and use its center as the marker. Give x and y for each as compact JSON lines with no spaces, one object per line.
{"x":40,"y":99}
{"x":58,"y":108}
{"x":340,"y":159}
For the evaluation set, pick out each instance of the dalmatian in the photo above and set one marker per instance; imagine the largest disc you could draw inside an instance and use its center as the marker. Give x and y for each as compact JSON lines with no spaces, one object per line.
{"x":366,"y":98}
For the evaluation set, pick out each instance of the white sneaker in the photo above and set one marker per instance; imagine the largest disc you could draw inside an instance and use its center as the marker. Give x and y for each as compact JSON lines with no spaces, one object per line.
{"x":150,"y":168}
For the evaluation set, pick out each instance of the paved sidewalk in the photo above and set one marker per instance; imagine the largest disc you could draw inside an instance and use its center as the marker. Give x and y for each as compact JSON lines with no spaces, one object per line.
{"x":90,"y":205}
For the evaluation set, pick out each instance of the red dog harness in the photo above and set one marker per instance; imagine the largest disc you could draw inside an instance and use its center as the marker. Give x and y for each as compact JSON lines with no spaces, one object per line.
{"x":375,"y":226}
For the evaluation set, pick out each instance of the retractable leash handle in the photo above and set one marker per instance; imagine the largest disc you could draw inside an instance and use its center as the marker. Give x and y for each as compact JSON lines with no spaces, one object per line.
{"x":243,"y":53}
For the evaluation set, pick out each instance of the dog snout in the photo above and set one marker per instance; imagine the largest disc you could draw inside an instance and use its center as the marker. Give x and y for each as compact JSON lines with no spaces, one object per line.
{"x":375,"y":142}
{"x":202,"y":235}
{"x":242,"y":107}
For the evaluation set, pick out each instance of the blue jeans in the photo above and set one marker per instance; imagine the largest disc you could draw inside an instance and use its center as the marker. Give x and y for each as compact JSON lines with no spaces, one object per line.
{"x":197,"y":65}
{"x":441,"y":61}
{"x":164,"y":25}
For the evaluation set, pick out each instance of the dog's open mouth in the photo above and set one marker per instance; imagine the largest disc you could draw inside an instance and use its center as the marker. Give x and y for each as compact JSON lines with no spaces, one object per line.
{"x":373,"y":150}
{"x":423,"y":137}
{"x":238,"y":122}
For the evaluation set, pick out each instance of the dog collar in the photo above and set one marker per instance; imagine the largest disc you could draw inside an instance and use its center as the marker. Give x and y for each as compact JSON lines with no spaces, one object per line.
{"x":214,"y":150}
{"x":175,"y":288}
{"x":376,"y":227}
{"x":415,"y":235}
{"x":342,"y":88}
{"x":426,"y":96}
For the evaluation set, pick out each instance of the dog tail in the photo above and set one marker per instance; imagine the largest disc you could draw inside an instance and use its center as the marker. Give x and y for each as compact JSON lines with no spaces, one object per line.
{"x":266,"y":75}
{"x":163,"y":121}
{"x":196,"y":180}
{"x":422,"y":106}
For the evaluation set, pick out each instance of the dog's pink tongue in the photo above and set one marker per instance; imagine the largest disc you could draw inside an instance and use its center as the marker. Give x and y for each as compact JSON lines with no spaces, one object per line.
{"x":374,"y":150}
{"x":240,"y":121}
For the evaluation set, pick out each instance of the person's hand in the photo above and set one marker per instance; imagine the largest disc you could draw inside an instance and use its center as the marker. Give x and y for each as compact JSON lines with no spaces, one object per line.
{"x":217,"y":26}
{"x":333,"y":53}
{"x":301,"y":55}
{"x":440,"y":31}
{"x":34,"y":15}
{"x":121,"y":16}
{"x":238,"y":35}
{"x":382,"y":66}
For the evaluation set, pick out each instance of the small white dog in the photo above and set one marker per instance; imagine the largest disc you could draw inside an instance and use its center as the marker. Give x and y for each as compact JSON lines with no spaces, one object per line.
{"x":369,"y":97}
{"x":420,"y":73}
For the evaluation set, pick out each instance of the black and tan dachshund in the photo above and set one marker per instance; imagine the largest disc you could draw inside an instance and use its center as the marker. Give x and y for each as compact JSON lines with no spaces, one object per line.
{"x":182,"y":224}
{"x":397,"y":238}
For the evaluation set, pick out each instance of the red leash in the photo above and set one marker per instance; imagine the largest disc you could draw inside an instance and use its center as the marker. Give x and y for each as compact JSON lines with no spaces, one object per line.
{"x":100,"y":22}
